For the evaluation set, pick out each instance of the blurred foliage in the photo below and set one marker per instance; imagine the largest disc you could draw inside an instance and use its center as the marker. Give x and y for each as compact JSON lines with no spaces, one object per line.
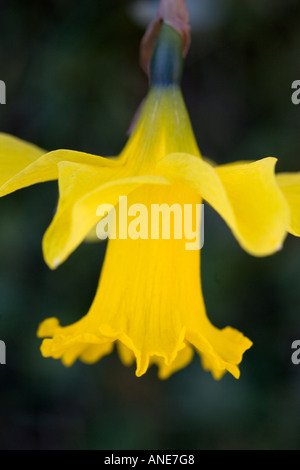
{"x":73,"y":81}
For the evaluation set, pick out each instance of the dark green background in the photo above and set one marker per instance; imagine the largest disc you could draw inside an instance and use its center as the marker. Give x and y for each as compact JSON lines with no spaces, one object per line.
{"x":73,"y":81}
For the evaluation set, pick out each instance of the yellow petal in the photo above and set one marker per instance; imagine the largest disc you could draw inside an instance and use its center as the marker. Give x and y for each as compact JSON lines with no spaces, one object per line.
{"x":221,"y":350}
{"x":69,"y":345}
{"x":26,"y":165}
{"x":246,"y":195}
{"x":289,"y":184}
{"x":149,"y":301}
{"x":82,"y":190}
{"x":15,"y":155}
{"x":182,"y":359}
{"x":126,"y":355}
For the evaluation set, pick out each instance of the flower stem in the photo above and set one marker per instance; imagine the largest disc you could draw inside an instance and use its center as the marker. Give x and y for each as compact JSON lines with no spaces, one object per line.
{"x":167,"y":59}
{"x":174,"y":14}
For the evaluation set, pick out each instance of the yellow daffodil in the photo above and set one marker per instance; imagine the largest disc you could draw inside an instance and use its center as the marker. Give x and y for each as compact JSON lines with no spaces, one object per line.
{"x":149,"y":299}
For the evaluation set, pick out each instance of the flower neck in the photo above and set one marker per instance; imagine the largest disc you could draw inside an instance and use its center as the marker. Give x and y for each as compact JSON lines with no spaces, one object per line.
{"x":163,"y":127}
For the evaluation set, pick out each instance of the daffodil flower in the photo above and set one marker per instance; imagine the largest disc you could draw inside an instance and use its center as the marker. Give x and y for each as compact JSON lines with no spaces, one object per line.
{"x":149,"y":300}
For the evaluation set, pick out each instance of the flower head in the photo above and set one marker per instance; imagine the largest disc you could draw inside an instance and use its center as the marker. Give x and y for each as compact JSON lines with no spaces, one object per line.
{"x":149,"y":300}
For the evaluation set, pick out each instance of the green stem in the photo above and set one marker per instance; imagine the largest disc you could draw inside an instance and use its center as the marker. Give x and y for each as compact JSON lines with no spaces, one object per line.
{"x":167,"y":60}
